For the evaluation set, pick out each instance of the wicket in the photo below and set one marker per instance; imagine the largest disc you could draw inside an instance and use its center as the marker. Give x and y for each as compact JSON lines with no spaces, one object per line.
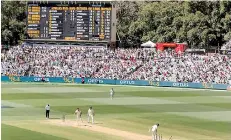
{"x":63,"y":118}
{"x":158,"y":137}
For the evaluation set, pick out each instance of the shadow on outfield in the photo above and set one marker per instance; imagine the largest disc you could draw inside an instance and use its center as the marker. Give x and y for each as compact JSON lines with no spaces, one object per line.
{"x":6,"y":106}
{"x":86,"y":125}
{"x":98,"y":123}
{"x":54,"y":118}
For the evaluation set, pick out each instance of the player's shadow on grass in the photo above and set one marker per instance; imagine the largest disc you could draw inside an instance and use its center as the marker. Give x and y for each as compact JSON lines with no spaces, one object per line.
{"x":54,"y":118}
{"x":98,"y":123}
{"x":87,"y":125}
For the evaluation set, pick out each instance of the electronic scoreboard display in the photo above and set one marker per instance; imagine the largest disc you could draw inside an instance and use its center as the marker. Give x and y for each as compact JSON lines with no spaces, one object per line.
{"x":69,"y":21}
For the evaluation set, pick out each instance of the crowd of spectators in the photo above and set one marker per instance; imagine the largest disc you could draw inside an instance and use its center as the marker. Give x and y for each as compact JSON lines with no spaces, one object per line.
{"x":186,"y":68}
{"x":130,"y":64}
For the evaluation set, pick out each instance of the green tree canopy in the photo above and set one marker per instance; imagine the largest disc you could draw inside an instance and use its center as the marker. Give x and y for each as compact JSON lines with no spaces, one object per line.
{"x":13,"y":21}
{"x":199,"y":23}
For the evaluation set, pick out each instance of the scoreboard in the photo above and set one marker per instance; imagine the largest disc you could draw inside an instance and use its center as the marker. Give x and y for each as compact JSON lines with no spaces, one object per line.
{"x":70,"y":21}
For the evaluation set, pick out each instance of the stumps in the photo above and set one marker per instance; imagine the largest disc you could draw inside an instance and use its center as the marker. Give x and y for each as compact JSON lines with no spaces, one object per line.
{"x":158,"y":137}
{"x":63,"y":118}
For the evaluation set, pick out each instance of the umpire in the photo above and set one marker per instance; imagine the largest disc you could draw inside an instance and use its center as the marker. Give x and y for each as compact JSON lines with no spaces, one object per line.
{"x":47,"y":111}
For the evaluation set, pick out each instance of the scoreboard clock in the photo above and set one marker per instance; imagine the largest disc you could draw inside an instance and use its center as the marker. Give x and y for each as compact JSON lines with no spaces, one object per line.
{"x":69,"y":21}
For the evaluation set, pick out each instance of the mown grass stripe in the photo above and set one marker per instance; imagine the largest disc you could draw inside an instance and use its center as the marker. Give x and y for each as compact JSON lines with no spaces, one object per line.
{"x":16,"y":133}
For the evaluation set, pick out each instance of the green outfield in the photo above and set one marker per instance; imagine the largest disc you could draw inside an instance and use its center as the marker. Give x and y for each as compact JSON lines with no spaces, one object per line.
{"x":184,"y":114}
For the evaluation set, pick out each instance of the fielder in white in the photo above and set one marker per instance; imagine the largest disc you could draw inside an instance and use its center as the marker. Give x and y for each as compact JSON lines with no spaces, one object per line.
{"x":91,"y":115}
{"x":112,"y":93}
{"x":78,"y":114}
{"x":154,"y":131}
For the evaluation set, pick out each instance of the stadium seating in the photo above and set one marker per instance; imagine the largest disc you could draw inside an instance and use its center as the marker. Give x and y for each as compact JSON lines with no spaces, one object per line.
{"x":132,"y":64}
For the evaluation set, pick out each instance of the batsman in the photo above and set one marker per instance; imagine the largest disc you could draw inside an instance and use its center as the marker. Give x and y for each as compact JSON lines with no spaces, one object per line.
{"x":153,"y":129}
{"x":78,"y":114}
{"x":91,"y":115}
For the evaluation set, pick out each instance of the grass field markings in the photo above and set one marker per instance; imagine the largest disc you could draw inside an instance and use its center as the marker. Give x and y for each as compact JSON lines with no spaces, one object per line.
{"x":148,"y":87}
{"x":167,"y":127}
{"x":128,"y":87}
{"x":56,"y":102}
{"x":154,"y":93}
{"x":175,"y":108}
{"x":26,"y":118}
{"x":101,"y":110}
{"x":194,"y":137}
{"x":220,"y":105}
{"x":170,"y":88}
{"x":142,"y":110}
{"x":131,"y":101}
{"x":74,"y":102}
{"x":111,"y":116}
{"x":147,"y":95}
{"x":68,"y":107}
{"x":71,"y":116}
{"x":12,"y":132}
{"x":23,"y":110}
{"x":189,"y":123}
{"x":186,"y":111}
{"x":13,"y":104}
{"x":224,"y":116}
{"x":27,"y":112}
{"x":199,"y":99}
{"x":110,"y":131}
{"x":20,"y":96}
{"x":165,"y":130}
{"x":126,"y":109}
{"x":66,"y":132}
{"x":226,"y":97}
{"x":15,"y":96}
{"x":54,"y":89}
{"x":10,"y":91}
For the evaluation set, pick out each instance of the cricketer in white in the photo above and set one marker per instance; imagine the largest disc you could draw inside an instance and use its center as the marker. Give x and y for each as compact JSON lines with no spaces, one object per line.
{"x":154,"y":131}
{"x":112,"y":93}
{"x":91,"y":115}
{"x":78,"y":114}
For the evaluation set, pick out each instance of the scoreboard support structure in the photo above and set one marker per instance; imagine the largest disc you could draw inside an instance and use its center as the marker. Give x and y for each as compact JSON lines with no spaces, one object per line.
{"x":71,"y":22}
{"x":113,"y":25}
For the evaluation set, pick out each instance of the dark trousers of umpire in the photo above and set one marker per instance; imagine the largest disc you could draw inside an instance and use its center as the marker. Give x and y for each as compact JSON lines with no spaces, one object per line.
{"x":47,"y":113}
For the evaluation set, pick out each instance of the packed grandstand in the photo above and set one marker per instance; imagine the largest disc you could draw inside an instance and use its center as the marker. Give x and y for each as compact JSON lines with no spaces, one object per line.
{"x":129,"y":64}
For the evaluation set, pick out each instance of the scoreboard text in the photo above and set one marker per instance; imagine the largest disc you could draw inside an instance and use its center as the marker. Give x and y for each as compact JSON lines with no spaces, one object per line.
{"x":69,"y":22}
